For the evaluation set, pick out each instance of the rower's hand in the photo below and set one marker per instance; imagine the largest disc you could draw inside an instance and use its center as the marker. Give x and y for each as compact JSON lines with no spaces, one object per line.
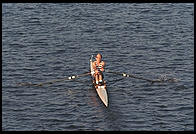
{"x":102,"y":69}
{"x":96,"y":71}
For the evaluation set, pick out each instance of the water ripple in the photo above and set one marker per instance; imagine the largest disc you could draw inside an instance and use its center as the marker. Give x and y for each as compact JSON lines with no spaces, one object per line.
{"x":42,"y":42}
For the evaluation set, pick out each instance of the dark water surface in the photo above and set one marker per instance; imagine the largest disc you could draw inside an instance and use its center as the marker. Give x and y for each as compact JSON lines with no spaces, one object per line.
{"x":43,"y":42}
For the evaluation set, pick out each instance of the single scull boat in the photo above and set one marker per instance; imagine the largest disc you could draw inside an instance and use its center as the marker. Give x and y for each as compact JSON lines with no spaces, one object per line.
{"x":101,"y":89}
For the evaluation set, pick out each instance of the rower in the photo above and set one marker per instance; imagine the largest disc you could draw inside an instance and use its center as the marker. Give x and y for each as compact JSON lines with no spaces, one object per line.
{"x":98,"y":66}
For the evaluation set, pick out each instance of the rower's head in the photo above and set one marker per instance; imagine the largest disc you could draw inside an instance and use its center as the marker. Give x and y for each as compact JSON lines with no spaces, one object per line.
{"x":98,"y":57}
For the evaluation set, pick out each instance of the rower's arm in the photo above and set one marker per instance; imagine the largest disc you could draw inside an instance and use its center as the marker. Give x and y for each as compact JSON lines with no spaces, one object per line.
{"x":94,"y":66}
{"x":103,"y":65}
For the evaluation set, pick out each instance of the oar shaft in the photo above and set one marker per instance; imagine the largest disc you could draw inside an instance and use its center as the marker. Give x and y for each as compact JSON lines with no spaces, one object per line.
{"x":134,"y":76}
{"x":53,"y":81}
{"x":141,"y":78}
{"x":130,"y":75}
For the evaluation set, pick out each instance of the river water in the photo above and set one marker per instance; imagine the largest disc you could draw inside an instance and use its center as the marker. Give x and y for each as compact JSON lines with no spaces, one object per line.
{"x":42,"y":42}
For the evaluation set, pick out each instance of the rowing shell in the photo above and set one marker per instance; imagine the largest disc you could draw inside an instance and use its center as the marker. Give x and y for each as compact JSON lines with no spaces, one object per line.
{"x":101,"y":90}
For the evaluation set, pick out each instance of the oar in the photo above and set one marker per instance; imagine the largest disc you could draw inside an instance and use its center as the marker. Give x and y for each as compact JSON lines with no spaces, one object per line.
{"x":142,"y":78}
{"x":53,"y":81}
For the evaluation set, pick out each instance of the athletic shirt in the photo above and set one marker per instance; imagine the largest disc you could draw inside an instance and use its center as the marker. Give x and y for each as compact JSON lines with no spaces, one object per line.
{"x":99,"y":66}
